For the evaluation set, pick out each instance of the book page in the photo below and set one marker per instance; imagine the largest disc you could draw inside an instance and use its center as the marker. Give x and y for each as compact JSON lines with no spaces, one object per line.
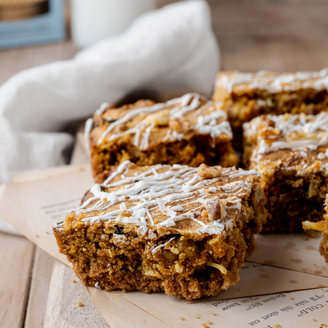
{"x":34,"y":206}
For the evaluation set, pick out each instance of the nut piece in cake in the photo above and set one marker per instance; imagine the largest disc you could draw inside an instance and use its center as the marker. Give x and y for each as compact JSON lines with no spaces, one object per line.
{"x":189,"y":130}
{"x":247,"y":95}
{"x":291,"y":154}
{"x":321,"y":226}
{"x":176,"y":229}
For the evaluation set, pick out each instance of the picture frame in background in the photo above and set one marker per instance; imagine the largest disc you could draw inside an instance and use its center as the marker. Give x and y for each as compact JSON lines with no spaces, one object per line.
{"x":31,"y":22}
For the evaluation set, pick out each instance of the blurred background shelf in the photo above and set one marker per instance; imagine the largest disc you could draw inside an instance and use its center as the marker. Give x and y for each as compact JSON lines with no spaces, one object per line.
{"x":282,"y":35}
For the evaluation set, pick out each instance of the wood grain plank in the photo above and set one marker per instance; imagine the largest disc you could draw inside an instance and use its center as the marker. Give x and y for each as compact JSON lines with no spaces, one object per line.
{"x":282,"y":35}
{"x":256,"y":35}
{"x":16,"y":254}
{"x":8,"y":60}
{"x":62,"y":308}
{"x":70,"y":50}
{"x":38,"y":296}
{"x":13,"y":61}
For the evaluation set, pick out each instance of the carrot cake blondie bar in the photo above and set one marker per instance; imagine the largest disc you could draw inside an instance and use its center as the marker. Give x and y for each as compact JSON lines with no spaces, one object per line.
{"x":188,"y":130}
{"x":247,"y":95}
{"x":291,"y":154}
{"x":182,"y":230}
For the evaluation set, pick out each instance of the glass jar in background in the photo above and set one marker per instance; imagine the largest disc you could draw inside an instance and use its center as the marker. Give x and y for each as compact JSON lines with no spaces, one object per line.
{"x":95,"y":20}
{"x":28,"y":22}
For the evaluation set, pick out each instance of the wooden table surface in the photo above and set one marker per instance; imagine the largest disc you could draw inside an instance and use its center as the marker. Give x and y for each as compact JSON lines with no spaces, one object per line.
{"x":253,"y":35}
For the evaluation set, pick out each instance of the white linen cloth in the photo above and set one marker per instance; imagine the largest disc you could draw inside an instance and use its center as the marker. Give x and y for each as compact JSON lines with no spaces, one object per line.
{"x":170,"y":51}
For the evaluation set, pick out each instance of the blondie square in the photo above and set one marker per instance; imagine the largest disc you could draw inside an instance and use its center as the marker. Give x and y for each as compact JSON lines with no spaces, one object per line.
{"x":247,"y":95}
{"x":182,"y":230}
{"x":189,"y":130}
{"x":291,"y":154}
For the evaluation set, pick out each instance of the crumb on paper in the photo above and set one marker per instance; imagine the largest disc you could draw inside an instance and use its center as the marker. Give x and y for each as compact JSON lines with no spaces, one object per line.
{"x":197,"y":316}
{"x":79,"y":304}
{"x":81,"y":168}
{"x":144,"y":321}
{"x":204,"y":325}
{"x":97,"y":285}
{"x":292,"y":298}
{"x":315,"y":320}
{"x":47,"y":232}
{"x":182,"y":319}
{"x":213,"y":313}
{"x":37,"y":236}
{"x":74,"y":281}
{"x":277,"y":325}
{"x":209,"y":322}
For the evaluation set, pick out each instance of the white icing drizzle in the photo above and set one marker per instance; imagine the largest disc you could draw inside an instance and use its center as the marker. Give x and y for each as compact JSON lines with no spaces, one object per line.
{"x":296,"y":132}
{"x":154,"y":250}
{"x":151,"y":193}
{"x":102,"y":108}
{"x":188,"y":103}
{"x":294,"y":123}
{"x":145,"y":138}
{"x":304,"y":154}
{"x":294,"y":145}
{"x":88,"y":126}
{"x":274,"y":82}
{"x":87,"y":129}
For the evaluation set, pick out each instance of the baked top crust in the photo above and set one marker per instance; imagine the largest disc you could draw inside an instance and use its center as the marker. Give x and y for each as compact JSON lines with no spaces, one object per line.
{"x":147,"y":124}
{"x":298,"y":141}
{"x":240,"y":83}
{"x":170,"y":199}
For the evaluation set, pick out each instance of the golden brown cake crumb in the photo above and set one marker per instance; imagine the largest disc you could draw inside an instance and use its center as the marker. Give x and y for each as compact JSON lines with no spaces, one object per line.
{"x":74,"y":281}
{"x":168,"y":234}
{"x":213,"y":313}
{"x":209,"y":322}
{"x":197,"y":316}
{"x":204,"y":325}
{"x":79,"y":304}
{"x":189,"y":130}
{"x":276,"y":326}
{"x":37,"y":236}
{"x":182,"y":319}
{"x":292,"y":298}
